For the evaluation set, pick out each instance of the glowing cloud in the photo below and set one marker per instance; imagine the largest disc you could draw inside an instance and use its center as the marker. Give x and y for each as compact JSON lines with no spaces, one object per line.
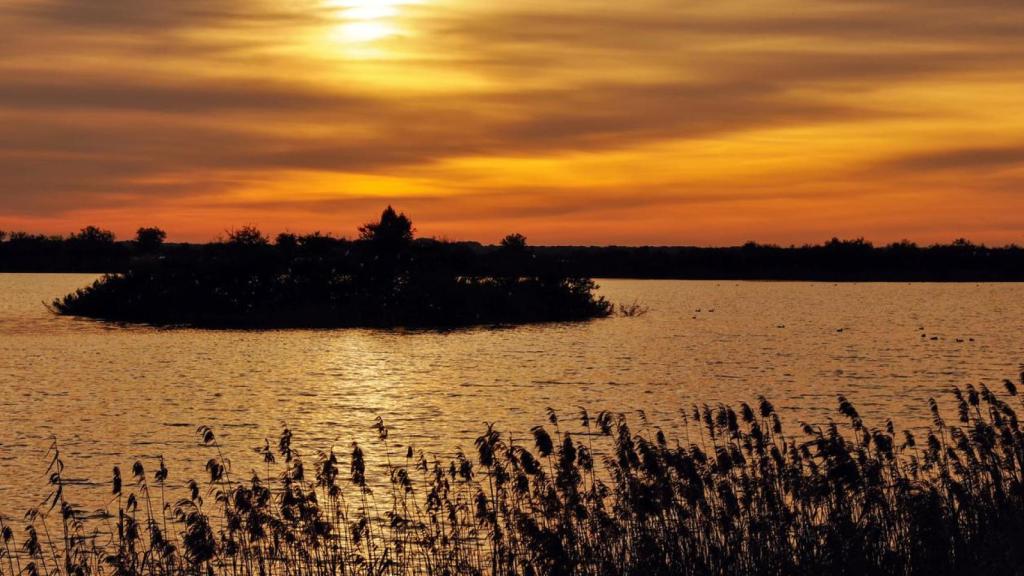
{"x":654,"y":121}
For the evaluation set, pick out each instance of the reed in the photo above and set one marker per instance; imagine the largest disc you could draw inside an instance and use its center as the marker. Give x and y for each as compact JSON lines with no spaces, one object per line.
{"x":737,"y":494}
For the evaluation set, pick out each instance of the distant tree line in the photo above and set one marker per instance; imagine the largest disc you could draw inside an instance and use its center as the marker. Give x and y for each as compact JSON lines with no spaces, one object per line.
{"x":834,"y":261}
{"x":93,"y":249}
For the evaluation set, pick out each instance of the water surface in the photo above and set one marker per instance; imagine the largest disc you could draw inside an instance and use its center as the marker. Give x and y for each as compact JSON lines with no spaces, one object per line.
{"x":110,"y":395}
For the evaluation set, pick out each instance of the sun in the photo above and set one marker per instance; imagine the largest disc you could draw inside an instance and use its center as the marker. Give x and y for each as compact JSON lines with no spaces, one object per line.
{"x":362,"y":32}
{"x":365,"y":21}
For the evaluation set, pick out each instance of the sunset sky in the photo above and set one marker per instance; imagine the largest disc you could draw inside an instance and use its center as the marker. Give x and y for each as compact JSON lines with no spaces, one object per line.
{"x":577,"y":122}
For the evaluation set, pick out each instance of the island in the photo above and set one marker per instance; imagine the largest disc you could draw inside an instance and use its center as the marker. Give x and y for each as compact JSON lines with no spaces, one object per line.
{"x":384,"y":278}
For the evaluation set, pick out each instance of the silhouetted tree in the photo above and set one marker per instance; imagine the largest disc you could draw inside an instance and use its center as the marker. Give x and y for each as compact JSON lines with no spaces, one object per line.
{"x":514,"y":257}
{"x":93,"y":236}
{"x":150,"y":239}
{"x":247,"y":236}
{"x":90,"y":249}
{"x":318,"y":243}
{"x":514,"y":242}
{"x":286,"y":241}
{"x":393,"y":230}
{"x":3,"y":235}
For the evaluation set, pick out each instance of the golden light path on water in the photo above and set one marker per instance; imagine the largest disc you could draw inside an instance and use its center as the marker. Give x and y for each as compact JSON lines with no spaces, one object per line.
{"x":111,"y":395}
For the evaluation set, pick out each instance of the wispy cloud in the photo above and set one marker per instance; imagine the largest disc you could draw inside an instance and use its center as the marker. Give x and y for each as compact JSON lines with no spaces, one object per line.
{"x":726,"y":111}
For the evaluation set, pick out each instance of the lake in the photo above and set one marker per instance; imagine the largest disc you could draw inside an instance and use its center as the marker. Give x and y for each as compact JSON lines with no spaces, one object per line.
{"x":110,"y":395}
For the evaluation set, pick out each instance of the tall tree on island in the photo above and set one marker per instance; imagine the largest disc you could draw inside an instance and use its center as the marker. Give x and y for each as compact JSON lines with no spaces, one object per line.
{"x":394,"y":230}
{"x":387,"y":270}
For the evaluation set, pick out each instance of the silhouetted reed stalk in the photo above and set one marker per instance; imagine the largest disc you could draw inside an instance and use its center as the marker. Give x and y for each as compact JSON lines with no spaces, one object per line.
{"x":738,"y":495}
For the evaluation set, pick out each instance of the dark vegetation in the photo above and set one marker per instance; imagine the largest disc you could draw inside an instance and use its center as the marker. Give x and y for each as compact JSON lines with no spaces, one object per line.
{"x":736,"y":494}
{"x":95,"y":250}
{"x":384,"y":278}
{"x":835,"y":261}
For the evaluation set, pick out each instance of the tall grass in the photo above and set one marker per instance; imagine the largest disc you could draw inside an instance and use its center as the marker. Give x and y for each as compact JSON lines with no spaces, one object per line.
{"x":735,"y":494}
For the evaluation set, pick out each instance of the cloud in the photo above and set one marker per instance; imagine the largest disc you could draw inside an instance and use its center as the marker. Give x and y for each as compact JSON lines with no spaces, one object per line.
{"x":985,"y":159}
{"x":145,"y":16}
{"x":129,"y":104}
{"x":107,"y":132}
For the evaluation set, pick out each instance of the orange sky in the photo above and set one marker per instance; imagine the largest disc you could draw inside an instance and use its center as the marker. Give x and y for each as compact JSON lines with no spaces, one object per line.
{"x":582,"y":122}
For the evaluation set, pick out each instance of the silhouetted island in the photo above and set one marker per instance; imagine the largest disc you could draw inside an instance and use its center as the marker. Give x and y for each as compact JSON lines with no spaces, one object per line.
{"x":385,"y":279}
